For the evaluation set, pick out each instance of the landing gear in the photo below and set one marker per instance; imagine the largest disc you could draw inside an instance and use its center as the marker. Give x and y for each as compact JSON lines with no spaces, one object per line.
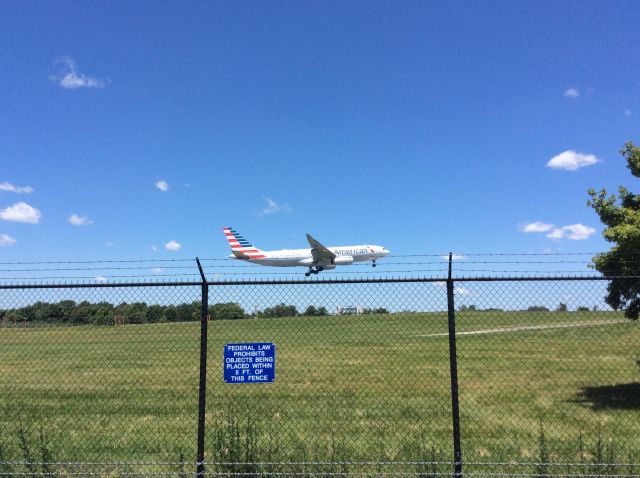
{"x":373,"y":263}
{"x":314,"y":271}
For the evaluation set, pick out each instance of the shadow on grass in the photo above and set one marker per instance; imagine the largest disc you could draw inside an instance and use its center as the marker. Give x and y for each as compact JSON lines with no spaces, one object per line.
{"x":623,"y":396}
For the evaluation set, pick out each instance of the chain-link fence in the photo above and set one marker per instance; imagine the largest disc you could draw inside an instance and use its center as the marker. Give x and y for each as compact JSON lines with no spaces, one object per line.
{"x":426,"y":377}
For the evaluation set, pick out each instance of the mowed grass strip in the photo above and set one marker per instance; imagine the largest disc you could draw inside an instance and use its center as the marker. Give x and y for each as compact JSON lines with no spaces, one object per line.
{"x":378,"y":385}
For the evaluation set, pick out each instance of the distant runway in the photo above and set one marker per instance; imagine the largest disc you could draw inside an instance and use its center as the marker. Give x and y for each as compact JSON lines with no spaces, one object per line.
{"x":525,"y":328}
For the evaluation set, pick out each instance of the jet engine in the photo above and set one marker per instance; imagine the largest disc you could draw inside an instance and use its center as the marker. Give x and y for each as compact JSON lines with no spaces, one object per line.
{"x":343,"y":260}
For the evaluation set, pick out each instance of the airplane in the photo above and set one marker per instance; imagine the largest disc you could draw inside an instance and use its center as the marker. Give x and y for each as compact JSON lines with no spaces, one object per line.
{"x":317,"y":258}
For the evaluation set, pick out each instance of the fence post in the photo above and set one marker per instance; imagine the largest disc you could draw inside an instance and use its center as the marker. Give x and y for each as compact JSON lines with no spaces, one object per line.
{"x":453,"y":362}
{"x":204,"y":316}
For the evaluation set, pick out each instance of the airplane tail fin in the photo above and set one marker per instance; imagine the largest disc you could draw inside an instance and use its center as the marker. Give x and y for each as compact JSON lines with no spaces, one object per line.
{"x":240,"y":247}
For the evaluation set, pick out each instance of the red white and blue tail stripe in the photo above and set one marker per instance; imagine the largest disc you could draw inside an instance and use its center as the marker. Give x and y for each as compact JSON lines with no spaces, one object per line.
{"x":240,"y":247}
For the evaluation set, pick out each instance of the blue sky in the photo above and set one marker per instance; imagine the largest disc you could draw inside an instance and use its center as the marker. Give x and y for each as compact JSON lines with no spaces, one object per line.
{"x":421,"y":126}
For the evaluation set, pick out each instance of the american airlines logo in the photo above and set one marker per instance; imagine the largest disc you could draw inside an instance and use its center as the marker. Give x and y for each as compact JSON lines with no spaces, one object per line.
{"x":351,"y":252}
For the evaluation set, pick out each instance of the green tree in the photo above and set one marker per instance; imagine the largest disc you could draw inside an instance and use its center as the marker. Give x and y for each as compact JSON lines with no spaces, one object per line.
{"x":311,"y":310}
{"x":155,"y":313}
{"x":66,"y":307}
{"x":14,"y":316}
{"x":621,"y":216}
{"x":188,"y":312}
{"x":40,"y":311}
{"x":171,"y":313}
{"x":53,"y":312}
{"x":28,"y":312}
{"x":280,"y":310}
{"x":562,"y":307}
{"x":102,"y":313}
{"x":135,"y":313}
{"x":81,"y":314}
{"x":227,"y":311}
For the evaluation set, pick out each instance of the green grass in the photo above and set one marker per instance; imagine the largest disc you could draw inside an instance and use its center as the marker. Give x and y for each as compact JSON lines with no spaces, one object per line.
{"x":347,"y":388}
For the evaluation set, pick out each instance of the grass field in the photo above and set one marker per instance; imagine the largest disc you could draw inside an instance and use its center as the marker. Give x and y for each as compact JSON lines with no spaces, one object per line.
{"x":350,"y":388}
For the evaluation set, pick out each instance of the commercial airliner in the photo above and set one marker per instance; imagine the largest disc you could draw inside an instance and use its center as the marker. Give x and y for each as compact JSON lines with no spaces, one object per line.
{"x":317,"y":258}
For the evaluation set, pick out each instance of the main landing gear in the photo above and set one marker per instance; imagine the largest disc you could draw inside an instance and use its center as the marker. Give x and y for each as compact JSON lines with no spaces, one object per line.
{"x":373,"y":263}
{"x":314,"y":271}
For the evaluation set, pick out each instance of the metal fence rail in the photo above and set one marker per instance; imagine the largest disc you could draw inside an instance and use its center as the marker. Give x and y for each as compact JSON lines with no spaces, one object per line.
{"x":473,"y":376}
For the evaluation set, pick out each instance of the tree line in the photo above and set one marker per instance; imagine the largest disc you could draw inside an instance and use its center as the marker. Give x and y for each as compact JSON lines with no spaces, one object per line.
{"x":101,"y":313}
{"x":562,"y":307}
{"x":105,"y":313}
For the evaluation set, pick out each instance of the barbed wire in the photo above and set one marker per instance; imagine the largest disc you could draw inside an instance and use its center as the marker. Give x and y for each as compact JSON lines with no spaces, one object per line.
{"x":325,"y":274}
{"x":96,"y":261}
{"x":459,"y":274}
{"x":297,"y":277}
{"x":251,"y":265}
{"x":94,"y":268}
{"x":101,"y":278}
{"x":220,"y":267}
{"x":444,"y":256}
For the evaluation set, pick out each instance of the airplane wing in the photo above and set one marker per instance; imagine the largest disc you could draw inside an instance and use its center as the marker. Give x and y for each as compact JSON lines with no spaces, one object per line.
{"x":321,"y":255}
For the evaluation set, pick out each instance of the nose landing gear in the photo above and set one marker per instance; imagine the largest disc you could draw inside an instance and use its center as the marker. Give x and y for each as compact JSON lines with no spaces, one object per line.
{"x":314,"y":271}
{"x":373,"y":263}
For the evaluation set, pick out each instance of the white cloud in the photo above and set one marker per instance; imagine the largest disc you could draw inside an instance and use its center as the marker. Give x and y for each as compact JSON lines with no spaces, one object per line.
{"x":627,"y":112}
{"x":574,"y":232}
{"x":21,"y":212}
{"x":570,"y":161}
{"x":537,"y":226}
{"x":79,"y":220}
{"x":556,"y":234}
{"x":455,"y":257}
{"x":15,"y":189}
{"x":6,"y":240}
{"x":110,"y":244}
{"x":154,"y":248}
{"x":273,"y":207}
{"x":68,"y":76}
{"x":100,"y":279}
{"x":157,"y":270}
{"x":172,"y":246}
{"x":162,"y":185}
{"x":456,"y":290}
{"x":572,"y":92}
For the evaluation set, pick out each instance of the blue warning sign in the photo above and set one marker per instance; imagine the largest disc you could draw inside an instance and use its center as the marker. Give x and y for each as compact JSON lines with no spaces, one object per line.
{"x":250,"y":363}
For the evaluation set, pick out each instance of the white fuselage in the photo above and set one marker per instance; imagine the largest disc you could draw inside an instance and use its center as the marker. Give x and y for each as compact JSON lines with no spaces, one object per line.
{"x":345,"y":255}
